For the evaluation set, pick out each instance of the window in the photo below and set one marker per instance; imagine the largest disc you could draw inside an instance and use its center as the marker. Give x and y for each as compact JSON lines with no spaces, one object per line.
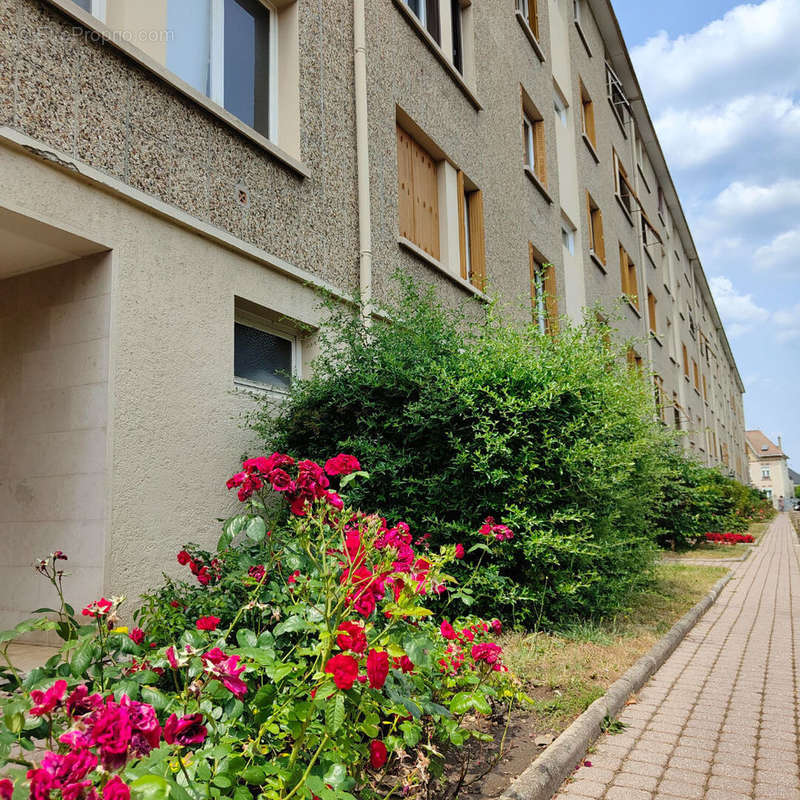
{"x":765,"y":473}
{"x":630,"y":284}
{"x":427,"y":12}
{"x":587,"y":118}
{"x":661,"y":201}
{"x":634,"y":359}
{"x":651,"y":311}
{"x":768,"y":494}
{"x":457,"y":33}
{"x":676,"y":411}
{"x":705,"y":389}
{"x":262,"y":357}
{"x":97,"y":8}
{"x":597,"y":246}
{"x":622,"y":187}
{"x":533,"y":142}
{"x":576,"y":10}
{"x":418,"y":202}
{"x":544,"y":301}
{"x":568,"y":237}
{"x":616,"y":95}
{"x":560,"y":106}
{"x":529,"y":10}
{"x":227,"y":49}
{"x":696,"y":373}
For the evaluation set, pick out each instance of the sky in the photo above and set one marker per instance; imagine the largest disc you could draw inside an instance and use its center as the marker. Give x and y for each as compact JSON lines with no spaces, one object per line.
{"x":721,"y":80}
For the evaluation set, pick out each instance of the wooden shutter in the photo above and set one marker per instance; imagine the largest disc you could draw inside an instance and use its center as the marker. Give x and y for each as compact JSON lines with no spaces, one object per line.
{"x":462,"y":232}
{"x":550,"y":297}
{"x":651,"y":310}
{"x":405,"y":184}
{"x":539,"y":154}
{"x":623,"y":270}
{"x":685,"y":360}
{"x":476,"y":239}
{"x":599,"y":242}
{"x":590,"y":220}
{"x":633,"y":283}
{"x":426,"y":202}
{"x":533,"y":17}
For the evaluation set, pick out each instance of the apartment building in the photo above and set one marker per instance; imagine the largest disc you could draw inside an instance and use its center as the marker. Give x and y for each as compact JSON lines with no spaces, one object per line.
{"x":180,"y":178}
{"x":769,"y":469}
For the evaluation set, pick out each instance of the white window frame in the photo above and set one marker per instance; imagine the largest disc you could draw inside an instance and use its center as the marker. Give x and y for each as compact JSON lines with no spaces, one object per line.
{"x":768,"y":493}
{"x":530,"y":149}
{"x":523,"y":7}
{"x":540,"y":306}
{"x":422,"y":16}
{"x":765,"y":473}
{"x":560,"y":106}
{"x":568,"y":237}
{"x":217,"y":56}
{"x":258,"y":323}
{"x":97,"y":8}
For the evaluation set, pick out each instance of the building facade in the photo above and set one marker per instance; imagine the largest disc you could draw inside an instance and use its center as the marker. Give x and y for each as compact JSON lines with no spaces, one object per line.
{"x":180,"y":178}
{"x":769,"y":469}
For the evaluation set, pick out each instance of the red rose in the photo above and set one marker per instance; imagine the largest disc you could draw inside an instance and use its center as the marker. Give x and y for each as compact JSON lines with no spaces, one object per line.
{"x":352,"y":637}
{"x":459,"y":551}
{"x":187,"y":730}
{"x":136,"y":635}
{"x":342,"y":465}
{"x":116,"y":789}
{"x":365,"y":603}
{"x":280,"y":480}
{"x":207,"y":623}
{"x":6,"y":789}
{"x":377,"y":754}
{"x":377,"y":668}
{"x":46,"y":701}
{"x":184,"y":558}
{"x":344,"y":670}
{"x":447,"y":630}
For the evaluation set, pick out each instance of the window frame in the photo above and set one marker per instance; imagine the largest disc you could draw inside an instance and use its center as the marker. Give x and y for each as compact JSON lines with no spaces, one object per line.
{"x":529,"y":11}
{"x":544,"y":298}
{"x":534,"y":141}
{"x":766,"y":473}
{"x":588,"y":127}
{"x":256,"y":322}
{"x":620,"y":181}
{"x":613,"y":83}
{"x":595,"y":219}
{"x":627,"y":271}
{"x":652,"y":303}
{"x":97,"y":8}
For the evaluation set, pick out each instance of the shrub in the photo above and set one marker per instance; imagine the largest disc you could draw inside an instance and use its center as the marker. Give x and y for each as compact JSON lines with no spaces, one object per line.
{"x":552,"y":434}
{"x":729,"y":538}
{"x":301,"y":661}
{"x":695,"y":499}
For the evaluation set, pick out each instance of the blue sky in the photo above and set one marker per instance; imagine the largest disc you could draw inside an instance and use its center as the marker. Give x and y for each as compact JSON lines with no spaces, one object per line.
{"x":722,"y":82}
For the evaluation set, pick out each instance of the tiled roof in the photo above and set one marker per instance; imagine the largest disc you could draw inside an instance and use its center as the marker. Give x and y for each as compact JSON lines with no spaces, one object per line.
{"x":761,"y":446}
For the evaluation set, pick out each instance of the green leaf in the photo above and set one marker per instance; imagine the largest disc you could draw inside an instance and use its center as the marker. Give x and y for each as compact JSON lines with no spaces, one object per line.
{"x":336,"y":776}
{"x":255,"y":776}
{"x":155,"y":698}
{"x":289,"y":625}
{"x":466,"y":701}
{"x":150,"y":787}
{"x":334,"y":714}
{"x":256,"y":529}
{"x":352,"y":476}
{"x":419,"y":649}
{"x":84,"y":655}
{"x":246,"y":638}
{"x":411,"y":733}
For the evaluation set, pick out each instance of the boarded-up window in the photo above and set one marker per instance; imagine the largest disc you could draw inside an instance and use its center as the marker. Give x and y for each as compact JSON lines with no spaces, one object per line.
{"x":471,"y":234}
{"x":587,"y":116}
{"x":418,"y":202}
{"x":630,"y":284}
{"x":596,"y":242}
{"x":651,"y":311}
{"x":544,"y":297}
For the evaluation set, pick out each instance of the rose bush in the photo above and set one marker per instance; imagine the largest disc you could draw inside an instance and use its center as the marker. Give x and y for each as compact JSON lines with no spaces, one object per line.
{"x":299,"y":660}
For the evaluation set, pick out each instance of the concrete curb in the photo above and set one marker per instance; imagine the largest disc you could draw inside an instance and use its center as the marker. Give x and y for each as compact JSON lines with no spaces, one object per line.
{"x":544,"y":776}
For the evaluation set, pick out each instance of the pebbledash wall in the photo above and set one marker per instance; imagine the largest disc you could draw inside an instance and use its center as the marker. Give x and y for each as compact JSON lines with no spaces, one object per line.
{"x":197,"y":218}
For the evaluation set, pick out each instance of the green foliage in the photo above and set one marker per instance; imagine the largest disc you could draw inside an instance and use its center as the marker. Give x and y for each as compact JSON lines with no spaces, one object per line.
{"x":696,"y":500}
{"x":248,"y":660}
{"x":552,"y":435}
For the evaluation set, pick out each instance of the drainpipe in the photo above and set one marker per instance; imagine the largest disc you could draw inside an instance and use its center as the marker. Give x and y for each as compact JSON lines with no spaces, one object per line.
{"x":362,"y":157}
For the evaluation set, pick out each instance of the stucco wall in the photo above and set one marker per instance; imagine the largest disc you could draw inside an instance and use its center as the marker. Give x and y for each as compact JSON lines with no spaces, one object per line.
{"x":53,"y":410}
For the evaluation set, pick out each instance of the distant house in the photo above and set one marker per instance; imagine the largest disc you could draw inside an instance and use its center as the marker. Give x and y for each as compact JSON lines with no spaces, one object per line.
{"x":769,"y":467}
{"x":794,"y":479}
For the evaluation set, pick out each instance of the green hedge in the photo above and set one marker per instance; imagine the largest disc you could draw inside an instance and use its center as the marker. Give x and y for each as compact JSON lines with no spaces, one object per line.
{"x":553,"y":436}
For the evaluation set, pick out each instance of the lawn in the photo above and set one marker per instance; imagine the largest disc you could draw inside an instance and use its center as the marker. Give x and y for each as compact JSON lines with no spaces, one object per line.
{"x":565,"y":672}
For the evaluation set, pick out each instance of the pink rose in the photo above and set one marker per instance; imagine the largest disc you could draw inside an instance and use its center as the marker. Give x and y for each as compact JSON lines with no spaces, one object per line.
{"x":188,"y":730}
{"x":6,"y":789}
{"x":116,"y":789}
{"x":45,"y":702}
{"x":459,"y":551}
{"x":136,"y":635}
{"x":342,"y":464}
{"x":447,"y":630}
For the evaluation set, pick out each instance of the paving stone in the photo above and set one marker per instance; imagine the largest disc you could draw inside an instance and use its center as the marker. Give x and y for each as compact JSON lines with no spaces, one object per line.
{"x":624,"y":793}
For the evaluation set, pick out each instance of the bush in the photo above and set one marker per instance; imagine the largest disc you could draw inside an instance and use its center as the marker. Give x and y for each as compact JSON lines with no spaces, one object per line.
{"x":554,"y":435}
{"x":301,"y":661}
{"x":697,"y":499}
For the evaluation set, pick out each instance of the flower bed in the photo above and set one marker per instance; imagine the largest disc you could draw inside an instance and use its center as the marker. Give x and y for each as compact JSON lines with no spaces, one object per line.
{"x":301,"y":661}
{"x":730,"y":538}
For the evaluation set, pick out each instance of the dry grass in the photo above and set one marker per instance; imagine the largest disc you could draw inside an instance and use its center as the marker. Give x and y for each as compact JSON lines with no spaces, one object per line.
{"x":568,"y":670}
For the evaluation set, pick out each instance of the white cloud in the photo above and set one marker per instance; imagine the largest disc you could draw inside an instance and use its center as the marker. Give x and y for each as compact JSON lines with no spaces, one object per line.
{"x":739,"y":312}
{"x":788,"y":324}
{"x":782,"y":251}
{"x":740,"y":199}
{"x":693,"y":136}
{"x":737,"y":54}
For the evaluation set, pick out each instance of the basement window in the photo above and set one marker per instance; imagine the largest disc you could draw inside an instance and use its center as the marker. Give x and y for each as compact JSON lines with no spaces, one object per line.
{"x":264,"y":357}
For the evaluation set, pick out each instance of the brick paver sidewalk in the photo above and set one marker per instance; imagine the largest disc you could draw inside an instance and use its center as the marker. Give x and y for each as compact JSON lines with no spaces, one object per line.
{"x":720,"y":719}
